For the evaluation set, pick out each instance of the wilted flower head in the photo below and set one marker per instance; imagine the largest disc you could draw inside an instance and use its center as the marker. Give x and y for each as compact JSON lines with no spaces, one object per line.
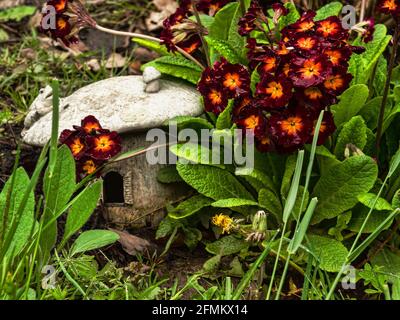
{"x":223,"y":221}
{"x":63,"y":19}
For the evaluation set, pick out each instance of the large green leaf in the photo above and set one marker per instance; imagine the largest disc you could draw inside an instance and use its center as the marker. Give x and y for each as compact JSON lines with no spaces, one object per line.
{"x":93,"y":239}
{"x":359,"y":215}
{"x":257,"y":178}
{"x":82,"y":209}
{"x":269,"y":201}
{"x":17,"y":13}
{"x":26,"y":220}
{"x":370,"y":112}
{"x":291,"y":17}
{"x":224,"y":49}
{"x":178,"y":67}
{"x":154,"y":46}
{"x":189,"y":207}
{"x":331,"y":254}
{"x":233,"y":202}
{"x":225,"y":26}
{"x":354,"y":132}
{"x":227,"y":245}
{"x":224,"y":120}
{"x":361,"y":66}
{"x":331,"y":9}
{"x":368,"y":200}
{"x":58,"y":190}
{"x":389,"y":263}
{"x":350,"y":104}
{"x":340,"y":185}
{"x":213,"y":182}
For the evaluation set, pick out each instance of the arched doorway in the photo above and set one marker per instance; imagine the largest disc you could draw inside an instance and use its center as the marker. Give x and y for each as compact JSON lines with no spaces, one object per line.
{"x":113,"y":188}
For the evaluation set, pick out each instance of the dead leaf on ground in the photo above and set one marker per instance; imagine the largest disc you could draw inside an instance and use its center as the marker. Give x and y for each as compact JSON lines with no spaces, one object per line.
{"x":131,"y":244}
{"x":155,"y":19}
{"x":93,"y":64}
{"x":115,"y":61}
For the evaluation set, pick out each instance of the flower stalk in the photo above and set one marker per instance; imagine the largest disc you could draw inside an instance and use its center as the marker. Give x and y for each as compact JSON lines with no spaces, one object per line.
{"x":203,"y":41}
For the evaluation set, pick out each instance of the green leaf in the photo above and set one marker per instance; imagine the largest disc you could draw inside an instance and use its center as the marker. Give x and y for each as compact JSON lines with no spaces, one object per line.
{"x":58,"y":190}
{"x":154,"y":46}
{"x":189,"y":207}
{"x":341,"y":225}
{"x":93,"y":239}
{"x":82,"y":209}
{"x":211,"y":265}
{"x":213,"y":182}
{"x":233,"y":202}
{"x":331,"y":9}
{"x":255,"y":79}
{"x":168,"y":175}
{"x":225,"y":26}
{"x":224,"y":120}
{"x":3,"y":37}
{"x":178,"y":67}
{"x":370,"y":112}
{"x":340,"y":185}
{"x":380,"y":76}
{"x":351,"y":102}
{"x":256,"y":177}
{"x":303,"y":227}
{"x":361,"y":66}
{"x":227,"y":245}
{"x":166,"y":227}
{"x":291,"y":17}
{"x":287,"y":177}
{"x":224,"y":49}
{"x":376,"y":218}
{"x":26,"y":221}
{"x":368,"y":199}
{"x":16,"y":13}
{"x":330,"y":252}
{"x":269,"y":201}
{"x":388,"y":262}
{"x":354,"y":132}
{"x":195,"y":153}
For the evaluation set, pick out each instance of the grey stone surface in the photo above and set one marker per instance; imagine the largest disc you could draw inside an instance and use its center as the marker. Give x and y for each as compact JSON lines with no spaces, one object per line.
{"x":150,"y":74}
{"x":120,"y":104}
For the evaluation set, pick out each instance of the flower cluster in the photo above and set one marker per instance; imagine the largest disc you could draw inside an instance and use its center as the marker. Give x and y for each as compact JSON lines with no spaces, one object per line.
{"x":301,"y":73}
{"x":391,"y":7}
{"x":180,"y":31}
{"x":91,"y":145}
{"x":63,"y":19}
{"x":223,"y":221}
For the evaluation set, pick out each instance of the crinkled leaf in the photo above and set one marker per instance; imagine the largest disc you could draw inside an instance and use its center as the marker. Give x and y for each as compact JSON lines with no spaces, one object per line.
{"x":340,"y":185}
{"x":269,"y":201}
{"x":330,"y":252}
{"x":227,"y":245}
{"x":168,"y":175}
{"x":189,"y":207}
{"x":331,"y":9}
{"x":233,"y":202}
{"x":353,"y":132}
{"x":368,"y":200}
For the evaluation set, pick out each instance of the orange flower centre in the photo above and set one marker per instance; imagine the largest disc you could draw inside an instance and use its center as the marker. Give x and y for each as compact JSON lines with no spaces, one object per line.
{"x":311,"y":69}
{"x":215,"y":97}
{"x":60,"y":5}
{"x":232,"y":81}
{"x":91,"y":126}
{"x":327,"y":28}
{"x":269,"y":64}
{"x":305,"y":26}
{"x":306,"y":43}
{"x":191,"y":48}
{"x":292,"y":125}
{"x":333,"y":56}
{"x":286,"y":69}
{"x":89,"y":167}
{"x":77,"y":146}
{"x":251,"y":122}
{"x":103,"y":143}
{"x":62,"y":24}
{"x":334,"y":82}
{"x":274,"y":89}
{"x":313,"y":93}
{"x":390,"y":5}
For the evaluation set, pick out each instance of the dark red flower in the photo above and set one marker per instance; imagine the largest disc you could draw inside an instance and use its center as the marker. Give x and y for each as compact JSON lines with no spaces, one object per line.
{"x":248,"y":22}
{"x":234,"y":78}
{"x":337,"y":56}
{"x":90,"y":126}
{"x":314,"y":97}
{"x":251,"y":118}
{"x":104,"y":146}
{"x":274,"y":92}
{"x":261,"y":57}
{"x":279,"y":11}
{"x":59,"y":5}
{"x":326,"y":129}
{"x":309,"y":72}
{"x":306,"y":44}
{"x":304,"y":24}
{"x":264,"y":143}
{"x":290,"y":130}
{"x":338,"y":81}
{"x":75,"y":142}
{"x":332,"y":28}
{"x":389,"y":7}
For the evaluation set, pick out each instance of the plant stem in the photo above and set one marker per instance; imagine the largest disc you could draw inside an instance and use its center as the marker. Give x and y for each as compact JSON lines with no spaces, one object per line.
{"x":203,"y":41}
{"x":142,"y":36}
{"x":387,"y":87}
{"x":242,"y":6}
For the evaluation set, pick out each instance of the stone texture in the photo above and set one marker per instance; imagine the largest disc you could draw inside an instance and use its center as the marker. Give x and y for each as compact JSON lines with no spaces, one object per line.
{"x":120,"y":103}
{"x":150,"y":74}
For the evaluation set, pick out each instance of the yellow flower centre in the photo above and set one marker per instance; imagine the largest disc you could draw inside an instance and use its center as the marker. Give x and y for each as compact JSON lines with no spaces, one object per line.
{"x":275,"y":90}
{"x":215,"y":97}
{"x":292,"y":125}
{"x":232,"y":81}
{"x":252,"y":122}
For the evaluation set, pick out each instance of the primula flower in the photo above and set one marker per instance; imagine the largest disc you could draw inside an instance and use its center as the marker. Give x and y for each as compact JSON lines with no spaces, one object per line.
{"x":234,"y":77}
{"x":331,"y":28}
{"x":309,"y":72}
{"x":87,"y":166}
{"x":315,"y":98}
{"x":251,"y":118}
{"x":369,"y":29}
{"x":304,"y":24}
{"x":279,"y":11}
{"x":390,"y":7}
{"x":326,"y":129}
{"x":75,"y":142}
{"x":337,"y":56}
{"x":248,"y":22}
{"x":338,"y":81}
{"x":290,"y":130}
{"x":89,"y":125}
{"x":70,"y":17}
{"x":104,"y":146}
{"x":274,"y":92}
{"x":261,"y":57}
{"x":306,"y":44}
